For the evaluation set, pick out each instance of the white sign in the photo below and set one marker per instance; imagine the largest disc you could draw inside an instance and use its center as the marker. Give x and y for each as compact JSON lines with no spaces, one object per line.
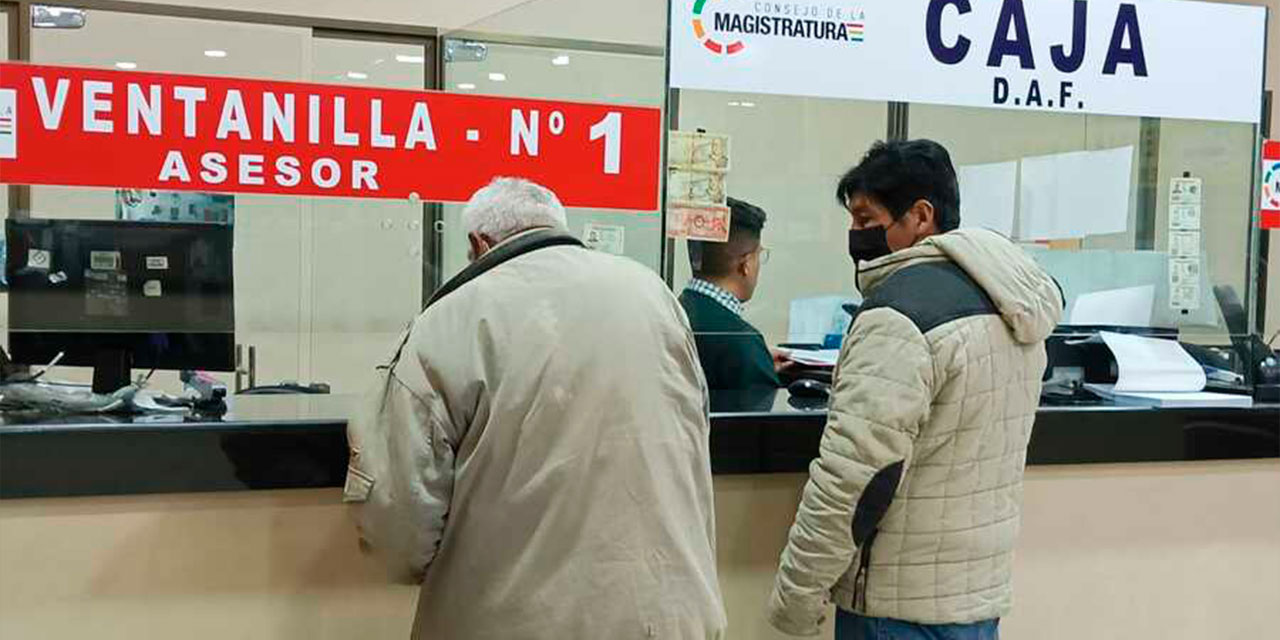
{"x":1173,"y":58}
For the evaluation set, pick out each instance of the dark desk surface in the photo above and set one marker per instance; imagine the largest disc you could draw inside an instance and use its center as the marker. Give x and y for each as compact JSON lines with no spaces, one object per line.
{"x":276,"y":442}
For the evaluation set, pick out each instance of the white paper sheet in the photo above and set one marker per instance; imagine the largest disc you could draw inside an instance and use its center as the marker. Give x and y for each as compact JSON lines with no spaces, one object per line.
{"x":1074,"y":195}
{"x":1151,"y":364}
{"x":1170,"y":400}
{"x":988,"y":196}
{"x":1130,"y":307}
{"x":821,"y":358}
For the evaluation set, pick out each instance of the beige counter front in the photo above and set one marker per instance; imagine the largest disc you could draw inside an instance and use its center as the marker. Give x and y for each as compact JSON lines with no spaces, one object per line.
{"x":1161,"y":551}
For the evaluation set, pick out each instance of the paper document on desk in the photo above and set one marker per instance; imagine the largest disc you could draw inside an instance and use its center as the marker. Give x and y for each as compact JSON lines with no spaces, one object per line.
{"x":1129,"y":307}
{"x":1150,"y":364}
{"x":1172,"y":400}
{"x":819,"y":358}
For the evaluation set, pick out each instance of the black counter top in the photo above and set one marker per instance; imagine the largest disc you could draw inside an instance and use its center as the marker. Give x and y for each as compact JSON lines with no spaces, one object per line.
{"x":277,"y":442}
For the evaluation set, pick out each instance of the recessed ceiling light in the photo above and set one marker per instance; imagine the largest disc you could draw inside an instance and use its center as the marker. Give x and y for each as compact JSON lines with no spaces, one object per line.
{"x":560,"y":60}
{"x":498,"y":77}
{"x":466,"y":86}
{"x":215,"y":53}
{"x":749,"y":105}
{"x":356,"y":75}
{"x":400,"y":57}
{"x":126,"y":65}
{"x":735,"y":104}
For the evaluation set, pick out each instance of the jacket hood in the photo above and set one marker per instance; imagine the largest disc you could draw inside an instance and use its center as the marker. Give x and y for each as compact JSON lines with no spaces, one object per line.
{"x":1028,"y":299}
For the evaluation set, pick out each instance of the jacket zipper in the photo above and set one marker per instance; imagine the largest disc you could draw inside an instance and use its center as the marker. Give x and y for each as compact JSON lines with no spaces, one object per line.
{"x":861,"y":577}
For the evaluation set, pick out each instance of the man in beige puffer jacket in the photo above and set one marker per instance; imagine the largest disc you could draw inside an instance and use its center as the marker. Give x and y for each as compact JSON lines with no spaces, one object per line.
{"x":911,"y":511}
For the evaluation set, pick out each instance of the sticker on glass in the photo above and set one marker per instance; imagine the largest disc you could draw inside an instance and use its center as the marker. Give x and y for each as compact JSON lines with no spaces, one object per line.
{"x":152,"y":289}
{"x":8,"y":124}
{"x":39,"y":259}
{"x":1186,"y":191}
{"x":1184,"y":244}
{"x":1185,"y":217}
{"x":157,"y":263}
{"x":104,"y":260}
{"x":106,"y":293}
{"x":605,"y":238}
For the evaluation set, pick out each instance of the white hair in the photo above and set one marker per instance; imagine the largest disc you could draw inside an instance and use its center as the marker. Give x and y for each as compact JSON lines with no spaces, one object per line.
{"x":508,"y":206}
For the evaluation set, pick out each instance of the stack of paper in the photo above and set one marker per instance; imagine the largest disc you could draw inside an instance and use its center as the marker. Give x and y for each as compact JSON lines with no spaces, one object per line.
{"x":1160,"y":373}
{"x":819,"y":358}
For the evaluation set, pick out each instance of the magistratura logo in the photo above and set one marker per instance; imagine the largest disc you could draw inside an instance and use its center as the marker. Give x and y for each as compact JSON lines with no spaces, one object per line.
{"x":721,"y":28}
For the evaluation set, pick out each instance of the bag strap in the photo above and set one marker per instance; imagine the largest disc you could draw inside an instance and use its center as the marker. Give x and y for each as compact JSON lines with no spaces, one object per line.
{"x":503,"y":253}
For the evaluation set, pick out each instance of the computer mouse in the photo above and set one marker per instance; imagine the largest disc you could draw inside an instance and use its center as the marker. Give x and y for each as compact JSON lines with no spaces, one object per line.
{"x":806,"y":388}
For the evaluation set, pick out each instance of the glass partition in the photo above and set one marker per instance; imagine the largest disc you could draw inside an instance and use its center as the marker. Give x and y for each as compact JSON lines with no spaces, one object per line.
{"x":1111,"y":216}
{"x":554,"y":72}
{"x":1157,"y":212}
{"x":322,"y":286}
{"x":787,"y":153}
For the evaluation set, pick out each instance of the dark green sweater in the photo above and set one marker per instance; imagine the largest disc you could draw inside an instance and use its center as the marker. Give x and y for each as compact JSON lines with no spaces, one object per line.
{"x":733,"y":353}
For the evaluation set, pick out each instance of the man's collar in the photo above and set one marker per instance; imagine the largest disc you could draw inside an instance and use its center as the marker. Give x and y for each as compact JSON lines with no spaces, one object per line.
{"x":717,"y":293}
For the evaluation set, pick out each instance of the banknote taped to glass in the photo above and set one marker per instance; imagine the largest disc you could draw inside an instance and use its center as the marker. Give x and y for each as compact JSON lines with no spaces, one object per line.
{"x":700,"y":151}
{"x":698,"y":222}
{"x":696,"y":187}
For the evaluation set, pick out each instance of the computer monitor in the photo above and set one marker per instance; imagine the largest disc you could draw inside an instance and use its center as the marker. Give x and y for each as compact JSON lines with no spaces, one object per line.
{"x":119,"y":295}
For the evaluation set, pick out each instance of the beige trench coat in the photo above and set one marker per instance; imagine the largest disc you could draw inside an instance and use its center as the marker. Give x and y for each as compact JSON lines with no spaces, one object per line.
{"x":538,"y":458}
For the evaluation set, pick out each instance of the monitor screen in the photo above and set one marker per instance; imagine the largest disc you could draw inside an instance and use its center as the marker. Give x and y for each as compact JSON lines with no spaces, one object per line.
{"x":162,"y":294}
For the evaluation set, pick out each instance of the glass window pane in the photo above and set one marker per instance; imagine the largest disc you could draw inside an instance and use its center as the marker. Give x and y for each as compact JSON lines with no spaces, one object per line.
{"x":560,"y":74}
{"x":788,"y":153}
{"x":1148,"y":251}
{"x":365,"y":255}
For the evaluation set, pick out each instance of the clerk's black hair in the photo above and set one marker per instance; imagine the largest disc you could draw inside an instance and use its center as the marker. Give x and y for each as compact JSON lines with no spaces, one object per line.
{"x":715,"y":259}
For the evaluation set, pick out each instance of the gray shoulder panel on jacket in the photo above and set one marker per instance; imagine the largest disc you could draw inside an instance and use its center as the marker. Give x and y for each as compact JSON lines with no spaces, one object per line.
{"x":931,"y":295}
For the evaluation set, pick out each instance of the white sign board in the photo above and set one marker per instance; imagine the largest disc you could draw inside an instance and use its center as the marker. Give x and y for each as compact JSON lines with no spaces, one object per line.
{"x":1168,"y":58}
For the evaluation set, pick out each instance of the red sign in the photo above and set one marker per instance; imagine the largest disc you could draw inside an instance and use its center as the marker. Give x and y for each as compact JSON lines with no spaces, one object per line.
{"x":96,"y":127}
{"x":1270,"y":185}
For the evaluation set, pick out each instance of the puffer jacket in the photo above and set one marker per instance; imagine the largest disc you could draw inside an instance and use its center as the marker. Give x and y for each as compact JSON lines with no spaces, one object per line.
{"x":912,"y":507}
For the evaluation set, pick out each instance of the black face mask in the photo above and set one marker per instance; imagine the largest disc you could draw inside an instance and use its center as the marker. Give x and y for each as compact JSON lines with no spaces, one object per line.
{"x":868,"y":244}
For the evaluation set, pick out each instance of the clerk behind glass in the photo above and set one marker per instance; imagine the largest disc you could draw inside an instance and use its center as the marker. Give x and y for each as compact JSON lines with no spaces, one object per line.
{"x":733,"y":353}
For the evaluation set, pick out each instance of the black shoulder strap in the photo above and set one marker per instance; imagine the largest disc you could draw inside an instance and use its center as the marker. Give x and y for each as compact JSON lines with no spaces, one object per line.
{"x":528,"y":242}
{"x":505,"y":252}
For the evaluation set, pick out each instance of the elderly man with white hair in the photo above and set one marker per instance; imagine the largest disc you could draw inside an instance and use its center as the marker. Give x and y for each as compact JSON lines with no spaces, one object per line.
{"x":535,"y":453}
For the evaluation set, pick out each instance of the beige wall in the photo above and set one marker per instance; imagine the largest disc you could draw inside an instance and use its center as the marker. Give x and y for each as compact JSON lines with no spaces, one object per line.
{"x":1169,"y":551}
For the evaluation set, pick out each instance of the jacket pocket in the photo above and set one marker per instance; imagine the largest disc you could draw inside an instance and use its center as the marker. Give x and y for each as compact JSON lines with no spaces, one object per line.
{"x":358,"y":486}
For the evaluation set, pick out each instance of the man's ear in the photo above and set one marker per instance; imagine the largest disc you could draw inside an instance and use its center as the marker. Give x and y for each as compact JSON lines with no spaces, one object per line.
{"x":926,"y":218}
{"x":479,"y":245}
{"x":744,"y":266}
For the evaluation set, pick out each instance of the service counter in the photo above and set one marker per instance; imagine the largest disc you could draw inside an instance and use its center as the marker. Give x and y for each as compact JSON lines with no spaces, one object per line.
{"x":299,"y":441}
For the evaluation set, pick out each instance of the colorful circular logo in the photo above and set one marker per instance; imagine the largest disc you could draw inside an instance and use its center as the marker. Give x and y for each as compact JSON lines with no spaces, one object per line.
{"x":1271,"y":185}
{"x":715,"y":46}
